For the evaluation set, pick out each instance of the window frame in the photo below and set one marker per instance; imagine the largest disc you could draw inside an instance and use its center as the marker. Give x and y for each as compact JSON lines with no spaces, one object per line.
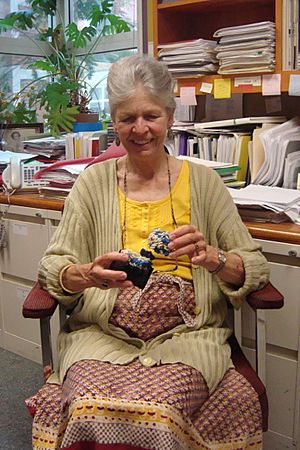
{"x":23,"y":46}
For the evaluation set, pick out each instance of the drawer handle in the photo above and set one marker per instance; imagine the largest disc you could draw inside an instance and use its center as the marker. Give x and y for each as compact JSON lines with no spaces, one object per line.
{"x":38,"y":214}
{"x":292,"y":253}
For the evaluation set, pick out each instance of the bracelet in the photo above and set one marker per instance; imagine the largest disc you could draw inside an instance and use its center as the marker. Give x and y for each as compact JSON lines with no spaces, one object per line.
{"x":222,"y":261}
{"x":61,"y":282}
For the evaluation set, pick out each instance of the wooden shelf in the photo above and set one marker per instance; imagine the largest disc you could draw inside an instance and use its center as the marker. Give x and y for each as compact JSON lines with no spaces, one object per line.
{"x":191,"y":19}
{"x":197,"y":81}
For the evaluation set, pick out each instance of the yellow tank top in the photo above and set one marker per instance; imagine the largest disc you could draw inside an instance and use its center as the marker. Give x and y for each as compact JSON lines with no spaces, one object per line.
{"x":143,"y":217}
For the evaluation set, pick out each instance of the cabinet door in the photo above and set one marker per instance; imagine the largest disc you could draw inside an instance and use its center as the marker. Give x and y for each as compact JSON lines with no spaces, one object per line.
{"x":20,"y":335}
{"x":281,"y":390}
{"x":27,"y":239}
{"x":282,"y":336}
{"x":282,"y":324}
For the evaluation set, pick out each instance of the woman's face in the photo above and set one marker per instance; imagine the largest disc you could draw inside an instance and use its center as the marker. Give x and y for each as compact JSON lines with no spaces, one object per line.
{"x":141,"y":123}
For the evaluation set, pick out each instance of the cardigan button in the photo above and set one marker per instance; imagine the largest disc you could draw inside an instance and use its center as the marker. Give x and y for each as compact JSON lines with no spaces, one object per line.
{"x":148,"y":362}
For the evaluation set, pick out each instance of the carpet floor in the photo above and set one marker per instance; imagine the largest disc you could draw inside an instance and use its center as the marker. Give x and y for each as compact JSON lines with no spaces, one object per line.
{"x":19,"y":379}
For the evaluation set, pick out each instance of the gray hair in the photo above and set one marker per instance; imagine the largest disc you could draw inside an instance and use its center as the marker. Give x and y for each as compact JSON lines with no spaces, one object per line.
{"x":125,"y":75}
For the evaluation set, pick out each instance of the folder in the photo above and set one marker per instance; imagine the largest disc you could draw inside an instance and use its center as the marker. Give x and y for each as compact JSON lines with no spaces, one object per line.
{"x":258,"y":153}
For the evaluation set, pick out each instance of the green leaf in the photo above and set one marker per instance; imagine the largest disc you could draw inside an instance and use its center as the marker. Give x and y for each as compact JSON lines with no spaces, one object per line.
{"x":43,"y":65}
{"x":44,"y":6}
{"x":61,"y":119}
{"x":22,"y":20}
{"x":24,"y":115}
{"x":100,"y":16}
{"x":57,"y":94}
{"x":80,"y":38}
{"x":106,"y":6}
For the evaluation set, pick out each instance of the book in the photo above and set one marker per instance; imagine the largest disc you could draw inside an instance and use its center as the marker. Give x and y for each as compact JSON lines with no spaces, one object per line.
{"x":242,"y":156}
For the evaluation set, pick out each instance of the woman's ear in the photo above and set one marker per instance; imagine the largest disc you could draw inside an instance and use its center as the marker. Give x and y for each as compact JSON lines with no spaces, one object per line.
{"x":117,"y":139}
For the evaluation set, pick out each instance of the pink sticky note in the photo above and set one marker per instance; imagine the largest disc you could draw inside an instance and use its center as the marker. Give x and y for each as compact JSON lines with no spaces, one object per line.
{"x":188,"y":95}
{"x":271,"y":84}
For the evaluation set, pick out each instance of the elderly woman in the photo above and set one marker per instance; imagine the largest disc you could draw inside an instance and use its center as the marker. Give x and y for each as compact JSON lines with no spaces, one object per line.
{"x":148,"y":367}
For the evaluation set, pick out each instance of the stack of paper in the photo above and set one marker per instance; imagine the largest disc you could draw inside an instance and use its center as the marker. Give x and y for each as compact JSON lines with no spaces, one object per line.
{"x":246,"y":48}
{"x":267,"y":204}
{"x":281,"y":145}
{"x":290,"y":35}
{"x":63,"y":176}
{"x":196,"y":57}
{"x":49,"y":147}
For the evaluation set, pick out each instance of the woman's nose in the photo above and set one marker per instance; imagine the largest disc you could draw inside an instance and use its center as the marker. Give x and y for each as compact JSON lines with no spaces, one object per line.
{"x":140,"y":126}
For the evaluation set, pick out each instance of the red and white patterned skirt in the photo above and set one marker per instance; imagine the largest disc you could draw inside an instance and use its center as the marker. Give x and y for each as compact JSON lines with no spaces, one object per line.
{"x":103,"y":406}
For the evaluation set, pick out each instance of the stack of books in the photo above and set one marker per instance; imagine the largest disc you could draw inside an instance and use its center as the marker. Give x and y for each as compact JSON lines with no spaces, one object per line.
{"x":189,"y":58}
{"x":246,"y":48}
{"x":227,"y":171}
{"x":85,"y":144}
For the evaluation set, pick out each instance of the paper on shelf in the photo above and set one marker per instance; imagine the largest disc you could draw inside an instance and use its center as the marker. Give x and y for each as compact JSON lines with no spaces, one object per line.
{"x":278,"y":142}
{"x":258,"y":194}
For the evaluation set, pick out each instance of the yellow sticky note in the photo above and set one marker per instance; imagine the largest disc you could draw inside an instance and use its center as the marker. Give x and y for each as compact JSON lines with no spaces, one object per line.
{"x":222,"y":88}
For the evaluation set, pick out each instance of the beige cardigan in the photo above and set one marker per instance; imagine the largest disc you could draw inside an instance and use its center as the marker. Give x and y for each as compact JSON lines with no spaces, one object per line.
{"x":90,"y":226}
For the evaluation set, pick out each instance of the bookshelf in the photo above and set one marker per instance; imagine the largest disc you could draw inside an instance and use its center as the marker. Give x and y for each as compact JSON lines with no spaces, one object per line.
{"x":191,"y":19}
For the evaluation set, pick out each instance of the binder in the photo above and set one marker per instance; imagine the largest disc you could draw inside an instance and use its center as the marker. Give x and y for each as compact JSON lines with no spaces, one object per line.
{"x":242,"y":156}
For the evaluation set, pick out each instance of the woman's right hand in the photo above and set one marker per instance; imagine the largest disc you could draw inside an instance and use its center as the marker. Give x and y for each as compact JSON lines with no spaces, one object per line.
{"x":77,"y":277}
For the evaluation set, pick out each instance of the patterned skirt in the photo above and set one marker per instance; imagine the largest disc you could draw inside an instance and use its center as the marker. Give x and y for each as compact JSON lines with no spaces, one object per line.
{"x":103,"y":406}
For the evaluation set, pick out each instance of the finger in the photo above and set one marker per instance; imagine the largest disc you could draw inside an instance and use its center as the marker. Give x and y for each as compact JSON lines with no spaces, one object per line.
{"x":113,"y":277}
{"x":106,"y":259}
{"x":186,"y":243}
{"x":182,"y":230}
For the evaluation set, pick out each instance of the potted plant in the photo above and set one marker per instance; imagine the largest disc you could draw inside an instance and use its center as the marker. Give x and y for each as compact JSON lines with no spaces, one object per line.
{"x":69,"y":91}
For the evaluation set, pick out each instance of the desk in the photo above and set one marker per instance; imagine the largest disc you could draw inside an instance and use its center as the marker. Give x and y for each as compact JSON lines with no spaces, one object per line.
{"x":283,"y":232}
{"x":32,"y":201}
{"x":31,"y":220}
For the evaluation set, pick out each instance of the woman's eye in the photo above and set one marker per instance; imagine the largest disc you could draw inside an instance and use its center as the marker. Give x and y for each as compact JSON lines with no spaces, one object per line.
{"x":151,"y":117}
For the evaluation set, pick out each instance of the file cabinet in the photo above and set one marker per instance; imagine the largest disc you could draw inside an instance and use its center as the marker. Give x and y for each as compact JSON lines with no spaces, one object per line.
{"x":283,"y":346}
{"x":28,"y":233}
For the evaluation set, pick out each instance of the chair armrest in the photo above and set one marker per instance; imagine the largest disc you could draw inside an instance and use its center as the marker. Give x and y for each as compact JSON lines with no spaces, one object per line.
{"x":266,"y":298}
{"x":38,"y":304}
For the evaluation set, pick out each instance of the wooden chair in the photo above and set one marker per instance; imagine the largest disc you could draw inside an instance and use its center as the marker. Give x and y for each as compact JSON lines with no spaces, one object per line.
{"x":39,"y":305}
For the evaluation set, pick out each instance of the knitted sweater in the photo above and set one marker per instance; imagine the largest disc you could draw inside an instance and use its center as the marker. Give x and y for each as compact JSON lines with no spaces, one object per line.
{"x":90,"y":227}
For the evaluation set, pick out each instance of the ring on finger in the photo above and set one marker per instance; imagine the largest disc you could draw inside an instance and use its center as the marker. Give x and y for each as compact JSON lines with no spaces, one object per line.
{"x":104,"y":284}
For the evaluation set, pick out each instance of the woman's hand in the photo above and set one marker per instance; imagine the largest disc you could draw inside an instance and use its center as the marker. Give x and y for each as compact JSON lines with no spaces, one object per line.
{"x":187,"y":240}
{"x":77,"y":277}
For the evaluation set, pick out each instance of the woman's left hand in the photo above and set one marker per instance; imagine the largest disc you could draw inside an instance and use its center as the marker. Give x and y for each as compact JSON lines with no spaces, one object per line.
{"x":188,"y":240}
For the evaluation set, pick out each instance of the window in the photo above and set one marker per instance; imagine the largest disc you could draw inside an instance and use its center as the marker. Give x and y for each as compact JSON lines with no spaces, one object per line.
{"x":16,"y":51}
